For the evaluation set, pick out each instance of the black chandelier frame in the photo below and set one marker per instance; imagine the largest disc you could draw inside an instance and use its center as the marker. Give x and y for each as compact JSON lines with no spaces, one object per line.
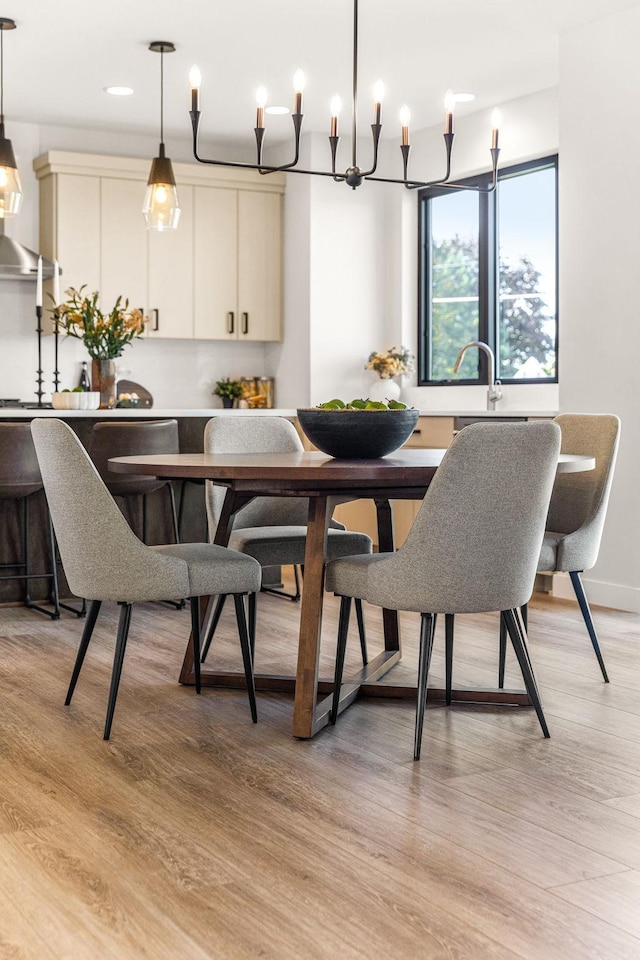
{"x":354,"y":176}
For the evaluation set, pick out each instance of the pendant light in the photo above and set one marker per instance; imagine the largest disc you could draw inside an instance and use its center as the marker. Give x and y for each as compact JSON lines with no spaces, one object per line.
{"x":161,"y":208}
{"x":10,"y":189}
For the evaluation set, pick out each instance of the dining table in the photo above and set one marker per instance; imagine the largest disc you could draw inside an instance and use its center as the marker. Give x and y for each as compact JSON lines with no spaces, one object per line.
{"x":325,"y":481}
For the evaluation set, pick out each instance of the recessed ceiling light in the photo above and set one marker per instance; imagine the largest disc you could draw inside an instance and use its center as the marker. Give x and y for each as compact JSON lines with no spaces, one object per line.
{"x":464,"y":97}
{"x":276,"y":111}
{"x":119,"y":91}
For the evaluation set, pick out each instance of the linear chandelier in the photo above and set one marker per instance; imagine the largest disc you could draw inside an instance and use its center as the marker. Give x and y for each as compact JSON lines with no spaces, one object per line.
{"x":354,"y":175}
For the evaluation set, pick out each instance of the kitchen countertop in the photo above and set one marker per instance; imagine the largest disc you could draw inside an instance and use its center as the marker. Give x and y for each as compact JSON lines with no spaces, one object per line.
{"x":19,"y":413}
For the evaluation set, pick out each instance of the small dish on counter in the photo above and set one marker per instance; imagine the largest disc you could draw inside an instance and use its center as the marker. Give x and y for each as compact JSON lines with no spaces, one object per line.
{"x":74,"y":400}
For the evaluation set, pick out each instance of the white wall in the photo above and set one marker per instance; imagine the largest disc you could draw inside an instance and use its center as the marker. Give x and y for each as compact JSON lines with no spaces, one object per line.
{"x":599,"y":252}
{"x":178,"y":373}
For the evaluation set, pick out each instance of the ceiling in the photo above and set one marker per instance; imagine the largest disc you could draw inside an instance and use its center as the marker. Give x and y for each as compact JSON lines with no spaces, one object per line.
{"x":65,"y":52}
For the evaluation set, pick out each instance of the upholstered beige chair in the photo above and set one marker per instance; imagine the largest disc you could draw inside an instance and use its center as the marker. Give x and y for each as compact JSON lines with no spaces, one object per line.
{"x":578,"y":510}
{"x":104,"y":560}
{"x":473,"y":546}
{"x":273,"y":530}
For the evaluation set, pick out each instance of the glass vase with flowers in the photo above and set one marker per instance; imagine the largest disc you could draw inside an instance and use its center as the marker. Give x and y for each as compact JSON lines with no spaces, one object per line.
{"x":105,"y":335}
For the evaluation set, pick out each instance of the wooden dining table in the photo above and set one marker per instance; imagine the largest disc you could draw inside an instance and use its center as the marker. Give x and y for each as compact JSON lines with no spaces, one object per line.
{"x":404,"y":475}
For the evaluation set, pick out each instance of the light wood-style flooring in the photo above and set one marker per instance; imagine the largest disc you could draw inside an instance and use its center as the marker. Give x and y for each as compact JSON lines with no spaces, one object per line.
{"x":194,"y":834}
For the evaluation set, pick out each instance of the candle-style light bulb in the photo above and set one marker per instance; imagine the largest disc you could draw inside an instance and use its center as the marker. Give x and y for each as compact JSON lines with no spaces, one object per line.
{"x":378,"y":97}
{"x":195,"y":79}
{"x":405,"y":120}
{"x":336,"y":107}
{"x":496,"y":122}
{"x":261,"y":101}
{"x":449,"y":107}
{"x":298,"y":87}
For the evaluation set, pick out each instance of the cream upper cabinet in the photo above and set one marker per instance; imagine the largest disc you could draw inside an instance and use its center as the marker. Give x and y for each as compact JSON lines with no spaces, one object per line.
{"x":75,"y":229}
{"x":217,"y":277}
{"x":259,"y":266}
{"x":170,"y":296}
{"x":238,"y":264}
{"x":123,"y":261}
{"x":216,"y":264}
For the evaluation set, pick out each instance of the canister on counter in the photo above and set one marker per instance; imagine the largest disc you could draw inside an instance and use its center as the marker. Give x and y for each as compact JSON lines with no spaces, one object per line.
{"x":266,"y":389}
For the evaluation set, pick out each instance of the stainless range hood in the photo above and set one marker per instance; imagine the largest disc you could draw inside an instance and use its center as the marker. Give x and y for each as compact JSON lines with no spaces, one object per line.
{"x":18,"y":262}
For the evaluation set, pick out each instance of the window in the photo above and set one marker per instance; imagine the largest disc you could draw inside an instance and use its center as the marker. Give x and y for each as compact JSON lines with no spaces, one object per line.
{"x":488,"y":271}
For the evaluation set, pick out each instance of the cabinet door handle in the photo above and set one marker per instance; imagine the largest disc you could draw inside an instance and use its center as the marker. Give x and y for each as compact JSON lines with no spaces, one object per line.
{"x":245,"y":323}
{"x":156,"y":320}
{"x":230,"y":321}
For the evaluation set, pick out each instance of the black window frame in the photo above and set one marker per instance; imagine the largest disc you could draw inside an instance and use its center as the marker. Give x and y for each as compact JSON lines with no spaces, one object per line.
{"x":488,"y":278}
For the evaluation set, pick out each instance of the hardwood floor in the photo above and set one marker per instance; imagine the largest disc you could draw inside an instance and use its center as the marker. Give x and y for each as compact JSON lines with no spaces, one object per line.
{"x":195,"y":834}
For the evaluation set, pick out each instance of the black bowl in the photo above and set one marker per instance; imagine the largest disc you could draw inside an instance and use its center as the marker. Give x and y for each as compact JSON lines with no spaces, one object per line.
{"x":357,"y":434}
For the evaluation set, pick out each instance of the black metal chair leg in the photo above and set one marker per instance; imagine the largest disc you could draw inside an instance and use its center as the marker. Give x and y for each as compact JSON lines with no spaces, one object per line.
{"x":245,"y":645}
{"x":427,"y":630}
{"x":195,"y":633}
{"x":449,"y":622}
{"x":54,"y":594}
{"x":174,"y":513}
{"x":361,"y":632}
{"x":252,"y":602}
{"x":90,"y":623}
{"x":214,"y":623}
{"x":343,"y":630}
{"x":28,"y":576}
{"x":25,"y":540}
{"x":588,"y":619}
{"x":502,"y":656}
{"x":294,"y":597}
{"x":118,"y":660}
{"x":518,"y":641}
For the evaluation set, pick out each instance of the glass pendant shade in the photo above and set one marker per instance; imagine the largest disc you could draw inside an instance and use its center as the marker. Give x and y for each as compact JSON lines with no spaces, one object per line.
{"x":10,"y":188}
{"x":161,"y":208}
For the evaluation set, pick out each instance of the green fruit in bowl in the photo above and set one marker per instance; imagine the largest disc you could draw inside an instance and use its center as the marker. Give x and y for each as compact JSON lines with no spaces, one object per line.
{"x":375,"y":405}
{"x":397,"y":405}
{"x":333,"y":405}
{"x":357,"y":405}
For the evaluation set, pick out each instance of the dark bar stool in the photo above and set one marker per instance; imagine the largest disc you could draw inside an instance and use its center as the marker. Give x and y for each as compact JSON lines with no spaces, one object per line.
{"x":20,"y":480}
{"x":135,"y":438}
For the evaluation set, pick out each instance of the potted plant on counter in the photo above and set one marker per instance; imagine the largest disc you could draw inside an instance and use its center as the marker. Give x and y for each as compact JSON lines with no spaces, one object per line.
{"x":105,"y":335}
{"x":228,"y":390}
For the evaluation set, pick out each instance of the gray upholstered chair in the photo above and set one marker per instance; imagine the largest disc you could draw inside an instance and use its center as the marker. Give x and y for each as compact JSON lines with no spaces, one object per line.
{"x":577,"y":511}
{"x":104,"y":560}
{"x":473,"y":546}
{"x":271,"y":529}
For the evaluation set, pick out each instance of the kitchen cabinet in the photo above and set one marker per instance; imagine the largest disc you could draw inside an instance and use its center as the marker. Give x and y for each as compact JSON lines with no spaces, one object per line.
{"x":238,"y":257}
{"x":218,"y":276}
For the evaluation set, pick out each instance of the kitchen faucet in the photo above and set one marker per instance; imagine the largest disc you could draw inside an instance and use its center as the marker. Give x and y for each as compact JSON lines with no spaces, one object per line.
{"x":494,"y":390}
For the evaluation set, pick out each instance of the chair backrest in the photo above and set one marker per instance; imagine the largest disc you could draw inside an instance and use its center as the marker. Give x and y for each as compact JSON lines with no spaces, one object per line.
{"x":254,"y":435}
{"x":475,"y":543}
{"x":136,"y":437}
{"x":102,"y":557}
{"x":579,"y":500}
{"x":19,"y":470}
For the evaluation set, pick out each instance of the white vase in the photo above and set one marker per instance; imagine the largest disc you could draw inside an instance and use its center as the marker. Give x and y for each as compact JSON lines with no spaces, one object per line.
{"x":384,"y":389}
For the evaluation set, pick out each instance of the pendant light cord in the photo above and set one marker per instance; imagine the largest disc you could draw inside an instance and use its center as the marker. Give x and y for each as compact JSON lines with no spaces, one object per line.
{"x":162,"y":96}
{"x":1,"y":75}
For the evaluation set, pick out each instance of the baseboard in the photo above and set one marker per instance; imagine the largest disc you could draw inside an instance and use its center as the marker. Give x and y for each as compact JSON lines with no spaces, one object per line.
{"x":613,"y":595}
